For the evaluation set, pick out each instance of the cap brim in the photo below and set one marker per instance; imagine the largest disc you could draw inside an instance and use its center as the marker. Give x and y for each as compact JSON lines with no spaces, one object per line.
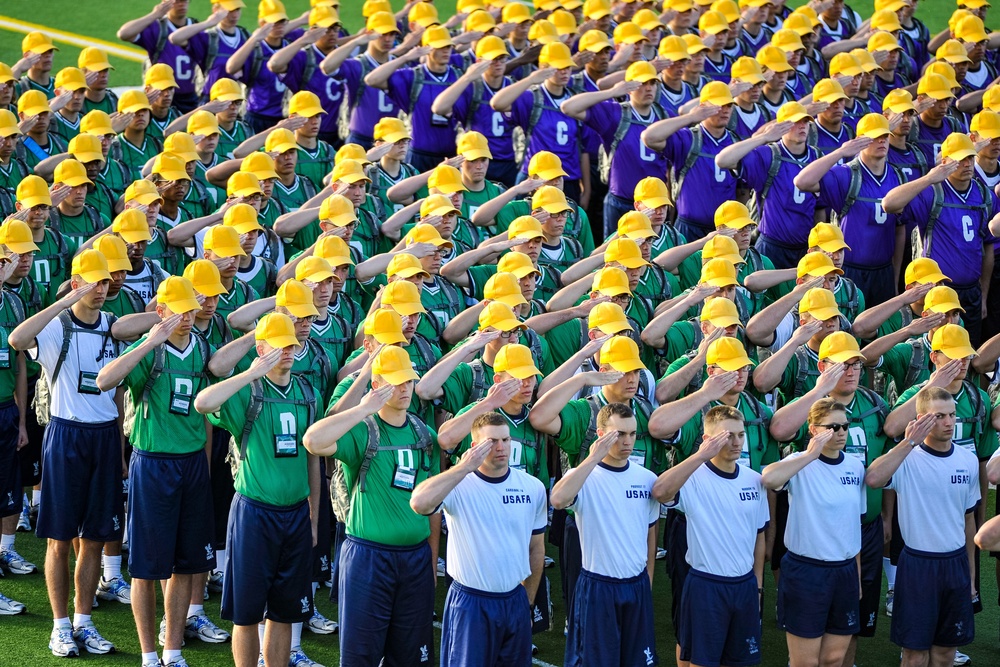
{"x":283,"y":148}
{"x":264,"y":174}
{"x":931,"y":278}
{"x":597,"y":47}
{"x":77,"y":181}
{"x":643,"y":78}
{"x":523,"y":372}
{"x":9,"y":131}
{"x":752,"y":78}
{"x":44,"y":48}
{"x":822,"y":272}
{"x":146,"y":198}
{"x":561,"y":64}
{"x":163,"y":85}
{"x":354,"y":178}
{"x":309,"y":112}
{"x":830,"y":99}
{"x":135,"y":237}
{"x":524,"y":272}
{"x":95,"y":276}
{"x":614,"y":291}
{"x":338,"y":260}
{"x":87,"y":156}
{"x":739,"y":223}
{"x":628,"y":365}
{"x":409,"y":272}
{"x":778,"y":67}
{"x":676,"y":56}
{"x":724,"y":321}
{"x":246,"y":192}
{"x":492,"y":55}
{"x":512,"y":300}
{"x":719,"y":101}
{"x":187,"y":156}
{"x":408,"y":308}
{"x":100,"y":131}
{"x":833,"y":246}
{"x":734,"y":364}
{"x":845,"y":356}
{"x":230,"y":97}
{"x":30,"y":202}
{"x":550,"y":174}
{"x":655,"y":202}
{"x":117,"y":265}
{"x":440,"y":43}
{"x":234,"y":251}
{"x":720,"y":282}
{"x":960,"y":352}
{"x":958,"y":59}
{"x":393,"y":137}
{"x":946,"y":307}
{"x":611,"y":328}
{"x":823,"y":314}
{"x":182,"y":305}
{"x":282,"y":341}
{"x":508,"y":325}
{"x":475,"y":154}
{"x":34,"y":111}
{"x":632,"y":262}
{"x":960,"y":154}
{"x":529,"y":235}
{"x":27,"y":246}
{"x":174,"y":176}
{"x":396,"y":378}
{"x":902,"y":108}
{"x":940,"y":95}
{"x":214,"y":289}
{"x":302,"y":310}
{"x":274,"y":18}
{"x":247,"y":227}
{"x":342,"y":220}
{"x":389,"y":337}
{"x":556,"y":208}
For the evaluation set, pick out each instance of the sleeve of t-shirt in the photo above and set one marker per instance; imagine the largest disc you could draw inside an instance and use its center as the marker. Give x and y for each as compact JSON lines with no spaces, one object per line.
{"x":148,"y":37}
{"x":919,"y":208}
{"x":137,"y":377}
{"x":833,"y":187}
{"x":579,"y":503}
{"x":755,"y":166}
{"x":677,"y":148}
{"x":197,"y":48}
{"x":974,"y":495}
{"x":350,"y":71}
{"x":399,"y":87}
{"x":48,"y":342}
{"x":575,"y":418}
{"x":457,"y":387}
{"x":541,"y":508}
{"x":292,"y":76}
{"x":233,"y":414}
{"x":763,"y":512}
{"x":461,"y":107}
{"x":654,"y":507}
{"x":604,"y":118}
{"x":863,"y":490}
{"x":520,"y":111}
{"x":351,"y":446}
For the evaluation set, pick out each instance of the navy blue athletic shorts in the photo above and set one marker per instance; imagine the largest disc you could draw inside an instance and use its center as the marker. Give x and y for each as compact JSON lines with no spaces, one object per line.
{"x":872,"y":546}
{"x":676,"y":544}
{"x":933,"y":600}
{"x":169,"y":515}
{"x":818,"y":597}
{"x":81,"y":482}
{"x":482,"y":629}
{"x":10,"y":465}
{"x":386,"y":604}
{"x":612,"y":622}
{"x":720,"y":620}
{"x":269,"y":564}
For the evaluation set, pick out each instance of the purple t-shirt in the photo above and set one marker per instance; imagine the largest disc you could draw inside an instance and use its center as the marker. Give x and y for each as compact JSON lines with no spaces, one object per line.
{"x":178,"y":58}
{"x":883,"y":88}
{"x":827,"y":142}
{"x":929,"y":139}
{"x":494,"y":125}
{"x":374,"y":104}
{"x":632,"y":161}
{"x":908,"y":162}
{"x":582,"y":83}
{"x":431,"y":133}
{"x":672,"y":100}
{"x":787,"y":213}
{"x":705,"y":186}
{"x":867,"y":227}
{"x":329,"y":89}
{"x":860,"y":109}
{"x":718,"y":71}
{"x":267,"y":90}
{"x":554,"y":131}
{"x":748,"y":122}
{"x":227,"y":46}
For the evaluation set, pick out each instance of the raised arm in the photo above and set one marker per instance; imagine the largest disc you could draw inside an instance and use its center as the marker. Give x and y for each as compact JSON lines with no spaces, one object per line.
{"x":486,"y":214}
{"x":569,"y":295}
{"x":809,"y":178}
{"x":453,"y":432}
{"x":114,"y":372}
{"x":445,"y":102}
{"x":460,"y":326}
{"x":787,"y":421}
{"x":568,"y":368}
{"x":882,"y":469}
{"x":456,"y":270}
{"x":321,"y":438}
{"x":668,"y":485}
{"x":379,"y":77}
{"x":182,"y":236}
{"x":236,"y":61}
{"x":336,"y":58}
{"x":765,"y":279}
{"x":22,"y":338}
{"x":901,"y":195}
{"x":577,"y":105}
{"x":761,"y":327}
{"x":544,"y":416}
{"x":874,"y":350}
{"x":245,"y":317}
{"x":730,"y":157}
{"x":182,"y":36}
{"x":377,"y":265}
{"x":226,"y":357}
{"x":655,"y":136}
{"x":655,"y":333}
{"x":505,"y":98}
{"x":776,"y":475}
{"x":131,"y":30}
{"x":278,"y":63}
{"x":768,"y":374}
{"x":429,"y":494}
{"x":257,"y":141}
{"x":430,"y":386}
{"x":565,"y":491}
{"x":866,"y":324}
{"x":211,"y":398}
{"x":896,"y":423}
{"x":671,"y":385}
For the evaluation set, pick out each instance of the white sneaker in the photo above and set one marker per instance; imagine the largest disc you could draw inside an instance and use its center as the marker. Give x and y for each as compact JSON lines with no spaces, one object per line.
{"x":961,"y":659}
{"x":549,"y":562}
{"x":215,"y":581}
{"x":200,"y":627}
{"x":661,"y":553}
{"x":162,"y":636}
{"x":61,"y":643}
{"x":321,"y":625}
{"x":116,"y":589}
{"x":442,"y":568}
{"x":88,"y":636}
{"x":151,"y":663}
{"x":24,"y":521}
{"x":888,"y":602}
{"x":10,"y":607}
{"x":299,"y":659}
{"x":12,"y":561}
{"x":176,"y":662}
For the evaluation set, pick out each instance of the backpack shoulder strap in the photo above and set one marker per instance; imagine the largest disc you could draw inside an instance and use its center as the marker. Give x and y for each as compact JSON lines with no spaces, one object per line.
{"x":161,"y":40}
{"x":478,"y":88}
{"x":853,"y":188}
{"x":371,"y":450}
{"x":253,"y":412}
{"x":417,"y":86}
{"x":478,"y":380}
{"x":67,"y":325}
{"x":591,"y":433}
{"x":159,"y":357}
{"x":689,"y":160}
{"x":772,"y":170}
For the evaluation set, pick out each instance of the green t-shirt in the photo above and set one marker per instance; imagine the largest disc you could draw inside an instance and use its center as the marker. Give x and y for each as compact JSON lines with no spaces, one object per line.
{"x":269,"y":212}
{"x":78,"y":228}
{"x":12,"y":173}
{"x":135,"y":157}
{"x":169,"y":258}
{"x":906,"y":364}
{"x":528,"y":451}
{"x":33,"y":300}
{"x":382,"y":181}
{"x":759,"y":448}
{"x":458,"y":388}
{"x":977,"y":436}
{"x":240,"y":295}
{"x":158,"y":125}
{"x":545,"y":286}
{"x":294,"y":196}
{"x":217,"y":333}
{"x":11,"y":313}
{"x":422,"y":409}
{"x":52,"y":262}
{"x":216,"y":196}
{"x":850,"y":299}
{"x":168,"y":423}
{"x":649,"y":452}
{"x":275,"y":470}
{"x":320,"y":374}
{"x":60,"y":126}
{"x":256,"y":275}
{"x":126,"y":302}
{"x":115,"y":176}
{"x":315,"y":164}
{"x":98,"y":198}
{"x":54,"y":146}
{"x":656,"y":286}
{"x":577,"y":222}
{"x":230,"y":139}
{"x":471,"y":200}
{"x":382,"y":512}
{"x":108,"y":105}
{"x":796,"y":380}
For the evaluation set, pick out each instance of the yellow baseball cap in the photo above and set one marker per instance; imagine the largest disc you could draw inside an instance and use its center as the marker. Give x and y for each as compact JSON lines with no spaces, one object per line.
{"x":160,"y":77}
{"x":792,"y":112}
{"x":923,"y":271}
{"x":271,"y":11}
{"x":747,"y":69}
{"x":626,"y":252}
{"x":898,"y":101}
{"x":957,"y":146}
{"x":382,"y":22}
{"x":424,"y":233}
{"x":641,"y":71}
{"x":71,"y":79}
{"x":115,"y":251}
{"x":611,"y":281}
{"x":277,"y":330}
{"x":372,"y":7}
{"x":865,"y":60}
{"x":436,"y":37}
{"x":480,"y":20}
{"x":840,"y":347}
{"x":986,"y":124}
{"x":243,"y":184}
{"x":32,"y":103}
{"x":205,"y":278}
{"x":944,"y":69}
{"x":390,"y":129}
{"x":971,"y":29}
{"x":233,"y":5}
{"x":727,"y":353}
{"x":673,"y":48}
{"x":37,"y":42}
{"x":499,"y":316}
{"x":555,"y":55}
{"x":177,"y":294}
{"x":652,"y":192}
{"x":437,"y":205}
{"x":953,"y":341}
{"x":953,"y":51}
{"x":974,"y":4}
{"x":609,"y":318}
{"x":636,"y":226}
{"x":446,"y":179}
{"x":226,"y":90}
{"x":722,"y":247}
{"x":405,"y":265}
{"x":845,"y":63}
{"x":351,"y":152}
{"x":717,"y":93}
{"x":885,"y":19}
{"x":386,"y":326}
{"x":242,"y":218}
{"x":727,"y":8}
{"x":550,"y":199}
{"x":182,"y":145}
{"x":829,"y":91}
{"x":733,"y":214}
{"x":323,"y":16}
{"x":817,"y":265}
{"x":96,"y":123}
{"x":72,"y":173}
{"x":883,"y":41}
{"x":8,"y":124}
{"x":505,"y":288}
{"x":679,"y":6}
{"x":564,"y":22}
{"x":91,"y":266}
{"x":827,"y":237}
{"x":223,"y":241}
{"x":334,"y":250}
{"x":171,"y":167}
{"x":718,"y":272}
{"x":294,"y":296}
{"x":280,"y":141}
{"x":132,"y":226}
{"x":6,"y":74}
{"x":525,"y":227}
{"x":721,"y":312}
{"x":143,"y":192}
{"x":403,"y":296}
{"x":349,"y":171}
{"x":393,"y":365}
{"x":86,"y":148}
{"x":773,"y":58}
{"x":515,"y":12}
{"x":622,"y":354}
{"x":942,"y":299}
{"x":313,"y":268}
{"x":305,"y":103}
{"x":260,"y":165}
{"x":820,"y":303}
{"x":490,"y":47}
{"x":787,"y":40}
{"x":713,"y":22}
{"x":873,"y":125}
{"x":203,"y":123}
{"x":516,"y":360}
{"x":595,"y":41}
{"x":628,"y":33}
{"x":472,"y":146}
{"x":935,"y":86}
{"x":337,"y":210}
{"x":32,"y":191}
{"x":894,"y":5}
{"x":16,"y":235}
{"x":596,"y":9}
{"x":546,"y":166}
{"x":543,"y":31}
{"x":517,"y":263}
{"x":799,"y":23}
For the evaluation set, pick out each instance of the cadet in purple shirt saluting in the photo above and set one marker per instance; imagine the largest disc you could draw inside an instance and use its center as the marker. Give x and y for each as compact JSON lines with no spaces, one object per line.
{"x":211,"y":42}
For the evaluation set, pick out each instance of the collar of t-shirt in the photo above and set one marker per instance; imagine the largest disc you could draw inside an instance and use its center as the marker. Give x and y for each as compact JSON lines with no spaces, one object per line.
{"x":722,"y":473}
{"x":493,"y":480}
{"x":832,"y":461}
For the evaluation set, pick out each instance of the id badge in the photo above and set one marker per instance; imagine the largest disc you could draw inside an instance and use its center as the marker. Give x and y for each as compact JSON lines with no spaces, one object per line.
{"x":285,"y":446}
{"x":437,"y":120}
{"x":744,"y":459}
{"x":180,"y":404}
{"x":5,"y":358}
{"x":637,"y":458}
{"x":87,"y":383}
{"x":967,"y":443}
{"x":404,"y":478}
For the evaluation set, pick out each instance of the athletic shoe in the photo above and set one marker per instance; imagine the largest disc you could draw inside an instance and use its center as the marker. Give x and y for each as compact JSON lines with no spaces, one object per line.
{"x":299,"y":659}
{"x":10,"y":607}
{"x":24,"y":521}
{"x":260,"y":660}
{"x":215,"y":581}
{"x":95,"y":604}
{"x":549,"y":562}
{"x":888,"y":602}
{"x":88,"y":636}
{"x":199,"y":627}
{"x":321,"y":625}
{"x":176,"y":662}
{"x":33,"y":512}
{"x":661,"y":553}
{"x":961,"y":659}
{"x":13,"y":562}
{"x":115,"y":589}
{"x":204,"y":595}
{"x":534,"y":649}
{"x":155,"y":662}
{"x":61,"y":643}
{"x":442,"y":568}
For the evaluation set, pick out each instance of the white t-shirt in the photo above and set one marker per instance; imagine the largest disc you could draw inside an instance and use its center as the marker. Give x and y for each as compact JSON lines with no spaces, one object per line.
{"x":490,"y":525}
{"x":934,"y":492}
{"x":258,"y":250}
{"x":74,"y":395}
{"x":142,"y":282}
{"x":826,"y":501}
{"x":725,"y":512}
{"x":614,"y":510}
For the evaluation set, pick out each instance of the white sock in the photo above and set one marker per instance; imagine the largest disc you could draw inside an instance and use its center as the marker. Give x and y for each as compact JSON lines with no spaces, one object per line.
{"x":36,"y":497}
{"x":315,"y":588}
{"x":80,"y":619}
{"x":6,"y":542}
{"x":220,"y":560}
{"x":112,"y":566}
{"x":296,"y":636}
{"x":61,"y":623}
{"x":149,"y":657}
{"x":890,"y":572}
{"x":195,"y":609}
{"x":170,"y":654}
{"x":260,"y":635}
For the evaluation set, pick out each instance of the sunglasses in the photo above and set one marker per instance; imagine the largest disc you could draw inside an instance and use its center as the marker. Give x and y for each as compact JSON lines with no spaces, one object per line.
{"x":835,"y":427}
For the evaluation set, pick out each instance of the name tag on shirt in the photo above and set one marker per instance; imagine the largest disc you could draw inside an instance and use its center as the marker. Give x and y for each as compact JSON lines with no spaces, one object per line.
{"x":180,"y":404}
{"x":438,"y":120}
{"x":87,"y":383}
{"x":4,"y":358}
{"x":404,"y":478}
{"x":285,"y":446}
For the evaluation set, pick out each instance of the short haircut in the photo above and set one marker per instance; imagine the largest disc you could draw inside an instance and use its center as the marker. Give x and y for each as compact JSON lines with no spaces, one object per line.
{"x":613,"y":410}
{"x":721,"y":413}
{"x":823,"y":407}
{"x":927,"y":395}
{"x":491,"y":418}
